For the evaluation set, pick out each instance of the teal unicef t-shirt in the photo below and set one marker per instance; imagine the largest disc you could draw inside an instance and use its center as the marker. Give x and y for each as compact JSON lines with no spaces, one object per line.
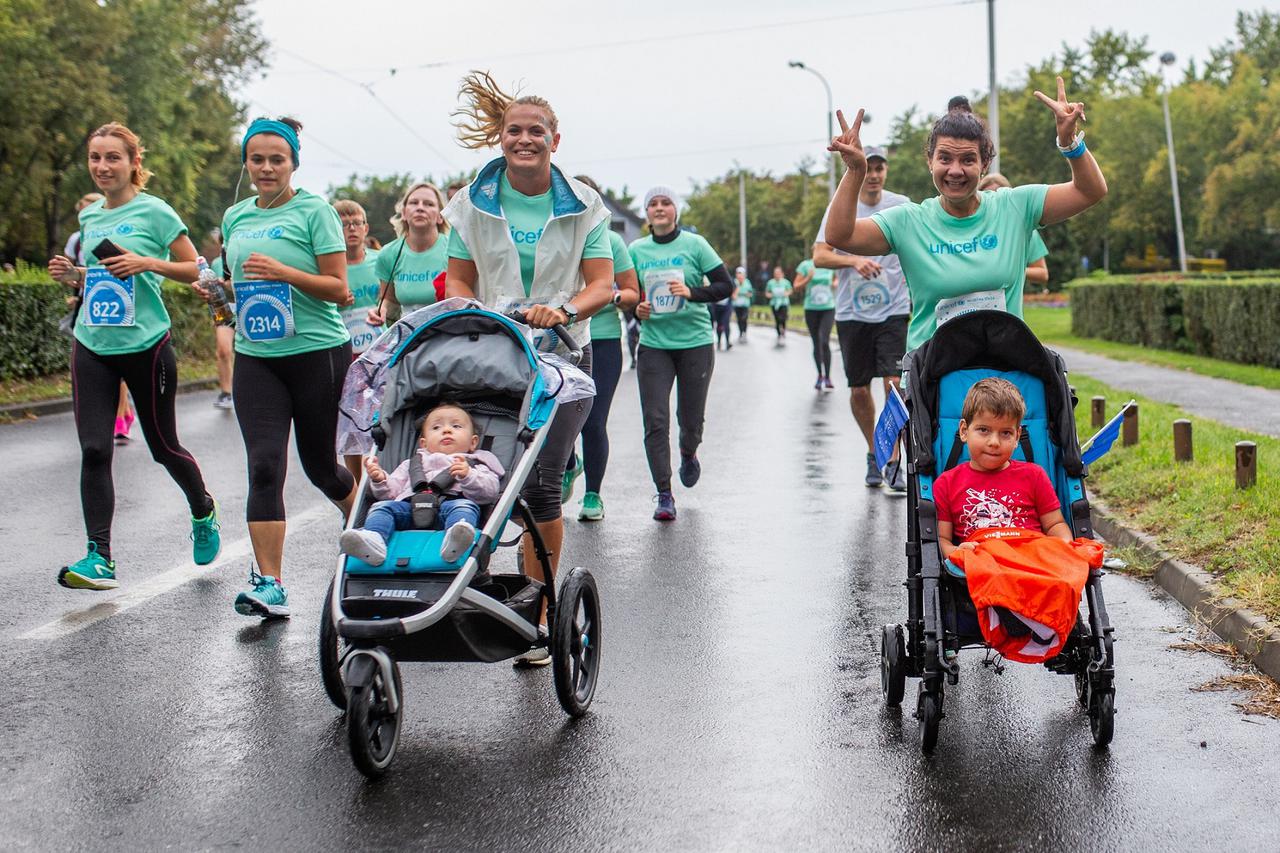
{"x":123,"y":316}
{"x":414,"y":272}
{"x":819,"y":295}
{"x":274,"y":318}
{"x":954,"y":266}
{"x":362,"y":279}
{"x":776,"y":290}
{"x":674,"y":322}
{"x":526,"y":216}
{"x":605,"y":323}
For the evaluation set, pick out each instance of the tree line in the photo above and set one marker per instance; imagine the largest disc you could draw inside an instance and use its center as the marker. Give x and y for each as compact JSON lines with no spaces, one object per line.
{"x":1226,"y":123}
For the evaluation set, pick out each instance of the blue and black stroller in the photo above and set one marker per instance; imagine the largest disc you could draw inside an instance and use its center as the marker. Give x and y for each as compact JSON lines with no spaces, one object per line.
{"x":415,"y":606}
{"x":941,"y":618}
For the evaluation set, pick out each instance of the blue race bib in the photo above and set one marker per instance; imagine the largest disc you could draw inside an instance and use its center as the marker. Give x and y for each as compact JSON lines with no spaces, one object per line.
{"x":108,"y":301}
{"x":264,"y":310}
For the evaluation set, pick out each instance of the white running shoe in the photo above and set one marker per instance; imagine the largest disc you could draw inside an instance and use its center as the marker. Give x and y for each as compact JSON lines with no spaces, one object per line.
{"x":457,"y":539}
{"x":364,"y":545}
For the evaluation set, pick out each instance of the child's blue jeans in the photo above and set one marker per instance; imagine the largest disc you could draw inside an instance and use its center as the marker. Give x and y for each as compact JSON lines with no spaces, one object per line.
{"x":387,"y":516}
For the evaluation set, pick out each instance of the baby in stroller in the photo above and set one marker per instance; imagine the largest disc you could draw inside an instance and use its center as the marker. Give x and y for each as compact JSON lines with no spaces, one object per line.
{"x":992,"y":489}
{"x":460,"y":477}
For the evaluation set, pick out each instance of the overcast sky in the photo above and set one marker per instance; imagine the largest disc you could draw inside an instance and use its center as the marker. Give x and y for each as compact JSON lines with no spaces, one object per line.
{"x":662,"y":92}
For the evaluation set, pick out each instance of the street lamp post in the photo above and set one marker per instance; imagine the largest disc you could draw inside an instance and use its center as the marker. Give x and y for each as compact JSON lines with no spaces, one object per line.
{"x":831,"y":111}
{"x":1167,"y":59}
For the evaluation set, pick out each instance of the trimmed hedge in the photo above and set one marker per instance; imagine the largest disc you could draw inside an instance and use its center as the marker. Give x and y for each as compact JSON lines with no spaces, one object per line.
{"x":1235,"y":319}
{"x":31,"y":345}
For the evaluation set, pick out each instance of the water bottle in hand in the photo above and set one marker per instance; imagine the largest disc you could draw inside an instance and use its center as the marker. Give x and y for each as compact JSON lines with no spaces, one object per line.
{"x":219,"y":302}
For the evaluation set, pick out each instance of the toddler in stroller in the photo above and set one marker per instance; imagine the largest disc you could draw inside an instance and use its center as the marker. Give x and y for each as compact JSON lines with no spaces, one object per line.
{"x":442,"y":486}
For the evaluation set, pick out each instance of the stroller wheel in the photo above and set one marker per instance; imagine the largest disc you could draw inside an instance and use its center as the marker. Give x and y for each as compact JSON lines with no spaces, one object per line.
{"x":373,"y":731}
{"x":332,"y":649}
{"x":929,"y":713}
{"x":1102,"y":717}
{"x":575,"y":642}
{"x":1082,"y":687}
{"x":893,"y":675}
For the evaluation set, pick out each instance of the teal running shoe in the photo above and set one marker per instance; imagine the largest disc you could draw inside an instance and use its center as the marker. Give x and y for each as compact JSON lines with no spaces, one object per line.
{"x":206,"y":542}
{"x":267,"y":599}
{"x":570,"y":477}
{"x":592,"y":507}
{"x":92,"y":571}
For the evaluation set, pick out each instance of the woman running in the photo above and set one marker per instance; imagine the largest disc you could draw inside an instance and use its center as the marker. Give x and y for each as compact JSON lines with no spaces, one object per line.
{"x":778,"y":289}
{"x":677,"y":345}
{"x":1037,"y":251}
{"x":742,"y":294}
{"x":964,"y":249}
{"x":287,"y":259}
{"x":819,"y":316}
{"x":407,"y":266}
{"x":526,"y":237}
{"x":362,"y":281}
{"x":131,"y":241}
{"x":606,"y":369}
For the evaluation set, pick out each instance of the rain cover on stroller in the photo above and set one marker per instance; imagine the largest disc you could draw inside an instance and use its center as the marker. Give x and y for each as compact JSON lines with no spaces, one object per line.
{"x":365,"y":385}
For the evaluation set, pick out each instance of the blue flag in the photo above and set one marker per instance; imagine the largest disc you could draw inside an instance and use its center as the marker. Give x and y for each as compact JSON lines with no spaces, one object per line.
{"x":1098,"y":445}
{"x":892,"y":421}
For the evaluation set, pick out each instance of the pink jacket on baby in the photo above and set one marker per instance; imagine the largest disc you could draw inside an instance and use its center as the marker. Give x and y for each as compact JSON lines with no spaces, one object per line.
{"x":481,"y":485}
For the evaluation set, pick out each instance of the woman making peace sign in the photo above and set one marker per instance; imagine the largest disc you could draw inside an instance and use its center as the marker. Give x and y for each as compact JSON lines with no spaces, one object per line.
{"x":963,"y":250}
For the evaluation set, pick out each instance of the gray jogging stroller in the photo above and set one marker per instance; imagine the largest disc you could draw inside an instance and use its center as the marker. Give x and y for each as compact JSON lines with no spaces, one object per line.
{"x":415,"y":606}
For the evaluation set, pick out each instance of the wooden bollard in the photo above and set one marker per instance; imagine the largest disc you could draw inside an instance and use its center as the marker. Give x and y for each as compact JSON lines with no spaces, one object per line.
{"x":1246,"y":464}
{"x":1129,"y":432}
{"x":1099,"y":411}
{"x":1182,"y":451}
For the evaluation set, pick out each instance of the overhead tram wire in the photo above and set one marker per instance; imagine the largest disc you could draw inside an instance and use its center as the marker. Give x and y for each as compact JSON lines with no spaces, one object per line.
{"x":368,"y":89}
{"x":692,"y":153}
{"x":311,"y":137}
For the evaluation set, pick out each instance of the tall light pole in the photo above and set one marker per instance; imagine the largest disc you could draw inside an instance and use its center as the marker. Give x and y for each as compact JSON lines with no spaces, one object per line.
{"x":993,"y":97}
{"x":831,"y":112}
{"x":742,"y":215}
{"x":1167,"y":59}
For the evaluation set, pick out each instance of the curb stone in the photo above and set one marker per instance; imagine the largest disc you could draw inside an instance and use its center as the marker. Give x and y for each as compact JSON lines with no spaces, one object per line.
{"x":1194,"y":588}
{"x":58,"y":405}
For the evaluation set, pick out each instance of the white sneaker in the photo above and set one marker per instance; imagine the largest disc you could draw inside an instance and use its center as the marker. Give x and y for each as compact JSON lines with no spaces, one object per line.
{"x":457,"y":539}
{"x":534,"y":657}
{"x":364,"y":545}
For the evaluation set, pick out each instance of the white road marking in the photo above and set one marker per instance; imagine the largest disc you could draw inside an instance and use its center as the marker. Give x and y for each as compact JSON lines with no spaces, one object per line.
{"x":125,"y":599}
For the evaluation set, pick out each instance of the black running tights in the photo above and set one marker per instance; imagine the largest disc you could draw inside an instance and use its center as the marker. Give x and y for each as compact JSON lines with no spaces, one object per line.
{"x":152,"y":379}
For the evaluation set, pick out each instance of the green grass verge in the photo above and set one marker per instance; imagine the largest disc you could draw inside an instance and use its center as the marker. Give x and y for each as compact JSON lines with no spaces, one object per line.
{"x":59,"y":385}
{"x":1193,"y":508}
{"x":1053,"y":326}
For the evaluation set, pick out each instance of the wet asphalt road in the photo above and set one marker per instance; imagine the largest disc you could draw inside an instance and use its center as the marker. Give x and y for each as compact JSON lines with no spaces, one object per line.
{"x":738,"y":706}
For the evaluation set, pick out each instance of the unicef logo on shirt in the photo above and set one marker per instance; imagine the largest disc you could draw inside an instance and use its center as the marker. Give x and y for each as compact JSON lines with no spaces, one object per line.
{"x":677,"y":262}
{"x":526,"y":237}
{"x":124,"y":228}
{"x":988,"y":241}
{"x":275,"y":233}
{"x":985,"y":243}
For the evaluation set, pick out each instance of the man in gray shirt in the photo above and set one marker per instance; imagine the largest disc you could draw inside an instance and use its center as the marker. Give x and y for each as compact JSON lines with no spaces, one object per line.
{"x":872,"y":310}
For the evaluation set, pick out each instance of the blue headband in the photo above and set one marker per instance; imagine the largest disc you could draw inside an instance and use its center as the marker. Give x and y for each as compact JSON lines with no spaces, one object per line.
{"x":278,"y":128}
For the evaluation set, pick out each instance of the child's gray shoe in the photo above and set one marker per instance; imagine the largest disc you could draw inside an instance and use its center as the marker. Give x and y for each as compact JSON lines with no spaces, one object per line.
{"x":364,"y":545}
{"x":457,"y":539}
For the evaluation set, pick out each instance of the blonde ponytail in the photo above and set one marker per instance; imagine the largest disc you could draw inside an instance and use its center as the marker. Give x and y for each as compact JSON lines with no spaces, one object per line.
{"x":485,"y":108}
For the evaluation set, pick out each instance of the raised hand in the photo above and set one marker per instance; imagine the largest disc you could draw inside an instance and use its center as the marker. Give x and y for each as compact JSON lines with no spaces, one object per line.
{"x":849,"y":143}
{"x":1067,"y":114}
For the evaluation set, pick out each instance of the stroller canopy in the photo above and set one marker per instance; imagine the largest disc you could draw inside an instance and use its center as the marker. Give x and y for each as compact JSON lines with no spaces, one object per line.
{"x":995,"y":340}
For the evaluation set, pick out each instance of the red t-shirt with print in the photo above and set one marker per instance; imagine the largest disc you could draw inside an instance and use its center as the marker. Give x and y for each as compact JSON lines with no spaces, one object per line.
{"x":1014,"y":497}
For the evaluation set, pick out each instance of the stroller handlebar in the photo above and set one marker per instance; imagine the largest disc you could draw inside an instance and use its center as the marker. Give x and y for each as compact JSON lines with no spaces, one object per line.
{"x":575,"y":351}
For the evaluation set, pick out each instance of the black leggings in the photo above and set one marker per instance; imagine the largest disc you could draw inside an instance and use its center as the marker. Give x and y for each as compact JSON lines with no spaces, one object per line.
{"x":690,"y":371}
{"x":302,"y":391}
{"x":606,"y":369}
{"x":780,"y":319}
{"x":820,"y":323}
{"x":743,"y":313}
{"x":152,"y":378}
{"x":543,"y":488}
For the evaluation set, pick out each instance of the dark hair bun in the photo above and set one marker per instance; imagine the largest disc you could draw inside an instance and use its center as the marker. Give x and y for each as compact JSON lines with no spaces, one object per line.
{"x":960,"y":103}
{"x":297,"y":125}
